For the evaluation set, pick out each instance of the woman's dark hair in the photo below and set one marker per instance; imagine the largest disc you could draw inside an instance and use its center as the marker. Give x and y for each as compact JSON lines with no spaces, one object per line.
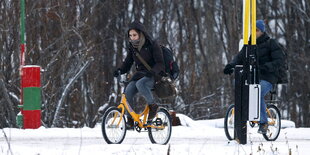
{"x":138,"y":31}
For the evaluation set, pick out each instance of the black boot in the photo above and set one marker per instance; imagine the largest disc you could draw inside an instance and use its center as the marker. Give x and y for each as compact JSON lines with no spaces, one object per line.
{"x":263,"y":128}
{"x":153,"y":111}
{"x":130,"y":123}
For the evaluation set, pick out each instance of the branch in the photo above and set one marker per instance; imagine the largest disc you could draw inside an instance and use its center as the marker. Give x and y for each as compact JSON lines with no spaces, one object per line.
{"x":7,"y":98}
{"x":66,"y":90}
{"x":8,"y":141}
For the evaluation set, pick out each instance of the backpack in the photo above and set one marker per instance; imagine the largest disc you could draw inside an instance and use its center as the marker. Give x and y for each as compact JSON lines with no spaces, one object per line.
{"x":171,"y":66}
{"x":283,"y":68}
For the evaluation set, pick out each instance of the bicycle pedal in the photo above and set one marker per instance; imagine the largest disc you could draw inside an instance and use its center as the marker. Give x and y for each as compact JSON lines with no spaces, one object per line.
{"x":138,"y":128}
{"x":158,"y":122}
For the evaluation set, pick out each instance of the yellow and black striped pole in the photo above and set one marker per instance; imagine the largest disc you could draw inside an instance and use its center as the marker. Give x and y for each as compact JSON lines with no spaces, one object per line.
{"x":253,"y":25}
{"x":245,"y":75}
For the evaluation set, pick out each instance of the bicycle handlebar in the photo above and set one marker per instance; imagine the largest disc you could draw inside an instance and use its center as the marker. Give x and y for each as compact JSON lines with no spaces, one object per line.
{"x":119,"y":79}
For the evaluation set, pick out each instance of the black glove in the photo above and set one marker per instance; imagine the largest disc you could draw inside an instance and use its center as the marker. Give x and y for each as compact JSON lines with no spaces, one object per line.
{"x":117,"y":72}
{"x":229,"y":68}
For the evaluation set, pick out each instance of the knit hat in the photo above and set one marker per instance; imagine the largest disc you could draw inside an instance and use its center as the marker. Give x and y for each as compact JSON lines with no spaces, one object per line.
{"x":260,"y":25}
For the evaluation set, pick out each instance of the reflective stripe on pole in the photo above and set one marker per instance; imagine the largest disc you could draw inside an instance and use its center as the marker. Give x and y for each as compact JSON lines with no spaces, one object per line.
{"x":253,"y":40}
{"x":246,"y":21}
{"x":249,"y":21}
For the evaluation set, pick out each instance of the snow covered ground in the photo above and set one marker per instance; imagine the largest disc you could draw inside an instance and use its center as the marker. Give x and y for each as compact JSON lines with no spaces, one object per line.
{"x":193,"y":137}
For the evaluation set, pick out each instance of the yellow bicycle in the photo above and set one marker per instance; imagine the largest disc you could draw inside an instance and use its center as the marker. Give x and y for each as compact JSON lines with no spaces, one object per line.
{"x":114,"y":123}
{"x":273,"y":116}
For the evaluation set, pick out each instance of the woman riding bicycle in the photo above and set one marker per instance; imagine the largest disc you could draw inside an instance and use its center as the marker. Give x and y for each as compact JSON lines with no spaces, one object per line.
{"x":270,"y":57}
{"x":143,"y":80}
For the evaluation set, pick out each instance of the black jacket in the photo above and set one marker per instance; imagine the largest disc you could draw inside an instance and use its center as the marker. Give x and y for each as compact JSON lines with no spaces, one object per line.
{"x":150,"y":52}
{"x":270,"y":57}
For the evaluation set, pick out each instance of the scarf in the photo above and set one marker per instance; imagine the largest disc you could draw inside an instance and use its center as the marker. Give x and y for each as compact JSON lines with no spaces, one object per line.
{"x":138,"y":43}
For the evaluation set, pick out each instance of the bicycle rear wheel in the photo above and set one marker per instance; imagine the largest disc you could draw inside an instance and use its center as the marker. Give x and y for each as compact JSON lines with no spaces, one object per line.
{"x":161,"y":135}
{"x":274,"y":123}
{"x":113,"y":126}
{"x":229,"y":122}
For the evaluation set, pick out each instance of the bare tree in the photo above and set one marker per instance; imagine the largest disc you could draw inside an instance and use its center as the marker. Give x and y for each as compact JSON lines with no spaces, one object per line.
{"x":63,"y":36}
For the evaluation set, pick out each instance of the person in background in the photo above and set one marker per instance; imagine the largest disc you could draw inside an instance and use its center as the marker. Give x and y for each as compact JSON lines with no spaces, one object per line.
{"x":270,"y":58}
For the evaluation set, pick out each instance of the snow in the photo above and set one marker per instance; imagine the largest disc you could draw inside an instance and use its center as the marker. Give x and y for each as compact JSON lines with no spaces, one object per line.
{"x":193,"y":137}
{"x":30,"y":66}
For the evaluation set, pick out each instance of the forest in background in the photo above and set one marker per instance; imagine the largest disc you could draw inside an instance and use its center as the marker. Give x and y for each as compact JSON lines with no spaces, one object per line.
{"x":80,"y":43}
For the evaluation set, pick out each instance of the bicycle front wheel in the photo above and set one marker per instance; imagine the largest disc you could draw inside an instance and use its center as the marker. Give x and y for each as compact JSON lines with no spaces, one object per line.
{"x":162,"y":134}
{"x":113,"y":126}
{"x":229,"y":122}
{"x":274,"y":123}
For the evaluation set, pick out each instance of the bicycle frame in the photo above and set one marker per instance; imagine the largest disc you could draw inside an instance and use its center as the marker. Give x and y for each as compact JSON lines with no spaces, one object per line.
{"x":232,"y":114}
{"x":272,"y":122}
{"x":142,"y":124}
